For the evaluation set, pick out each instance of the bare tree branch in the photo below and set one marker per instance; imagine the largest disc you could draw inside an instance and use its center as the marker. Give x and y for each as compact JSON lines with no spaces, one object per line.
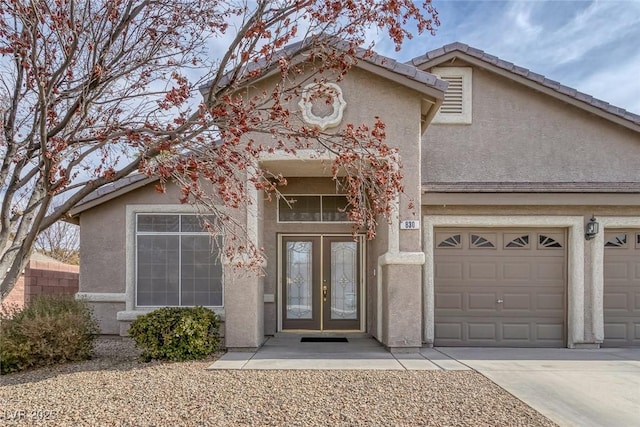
{"x":97,"y":90}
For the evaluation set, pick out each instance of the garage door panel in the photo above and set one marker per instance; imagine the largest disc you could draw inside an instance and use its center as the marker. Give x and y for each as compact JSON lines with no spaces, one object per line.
{"x":551,"y":332}
{"x":481,"y":331}
{"x":512,"y":294}
{"x":616,"y":331}
{"x":616,"y":271}
{"x":448,"y":270}
{"x":519,"y":301}
{"x":516,"y":271}
{"x":450,"y":301}
{"x":550,"y":301}
{"x":621,"y":289}
{"x":481,"y":301}
{"x":550,"y":271}
{"x":449,"y":331}
{"x":516,"y":332}
{"x":616,"y":301}
{"x":482,"y":271}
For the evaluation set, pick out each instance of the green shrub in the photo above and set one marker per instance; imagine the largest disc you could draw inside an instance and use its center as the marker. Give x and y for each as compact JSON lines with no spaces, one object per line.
{"x":178,"y":334}
{"x":47,"y":331}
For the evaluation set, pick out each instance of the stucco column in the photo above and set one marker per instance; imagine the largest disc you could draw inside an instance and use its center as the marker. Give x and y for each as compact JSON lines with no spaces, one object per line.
{"x":401,"y":293}
{"x":244,"y":310}
{"x":402,"y":301}
{"x":244,"y":291}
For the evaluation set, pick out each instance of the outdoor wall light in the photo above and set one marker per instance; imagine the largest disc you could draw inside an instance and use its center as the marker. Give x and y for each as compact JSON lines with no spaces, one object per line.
{"x":591,"y":229}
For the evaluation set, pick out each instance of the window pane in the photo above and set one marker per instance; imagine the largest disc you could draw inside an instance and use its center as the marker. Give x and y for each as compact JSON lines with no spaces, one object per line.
{"x":158,"y":223}
{"x":195,"y":223}
{"x":157,"y":271}
{"x":334,"y":208}
{"x":300,"y":208}
{"x":201,"y":272}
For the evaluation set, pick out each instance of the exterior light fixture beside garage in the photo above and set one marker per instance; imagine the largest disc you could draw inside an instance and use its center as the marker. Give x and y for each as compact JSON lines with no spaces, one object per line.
{"x":591,"y":228}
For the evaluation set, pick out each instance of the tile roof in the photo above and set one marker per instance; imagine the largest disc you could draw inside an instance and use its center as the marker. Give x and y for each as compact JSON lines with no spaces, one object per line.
{"x":530,"y":75}
{"x":127,"y":183}
{"x":389,"y":64}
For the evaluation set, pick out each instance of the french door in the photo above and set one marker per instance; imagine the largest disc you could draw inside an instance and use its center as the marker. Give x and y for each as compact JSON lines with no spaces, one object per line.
{"x":321,"y":282}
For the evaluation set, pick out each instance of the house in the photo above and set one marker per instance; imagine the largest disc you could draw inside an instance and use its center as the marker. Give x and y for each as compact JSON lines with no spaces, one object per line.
{"x":511,"y":170}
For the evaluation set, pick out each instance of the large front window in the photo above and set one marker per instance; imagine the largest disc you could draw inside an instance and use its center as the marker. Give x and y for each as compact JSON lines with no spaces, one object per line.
{"x":177,"y":262}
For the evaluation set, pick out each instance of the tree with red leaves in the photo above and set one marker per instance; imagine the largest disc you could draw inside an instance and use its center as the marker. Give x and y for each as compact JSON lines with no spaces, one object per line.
{"x":93,"y":91}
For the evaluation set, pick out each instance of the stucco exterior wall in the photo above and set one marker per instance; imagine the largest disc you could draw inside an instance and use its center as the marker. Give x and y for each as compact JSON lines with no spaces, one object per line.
{"x":251,"y":302}
{"x":521,"y":135}
{"x":103,"y":239}
{"x":104,"y":258}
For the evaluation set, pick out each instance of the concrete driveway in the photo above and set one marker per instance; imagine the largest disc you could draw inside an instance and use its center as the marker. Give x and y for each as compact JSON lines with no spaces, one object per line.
{"x":571,"y":387}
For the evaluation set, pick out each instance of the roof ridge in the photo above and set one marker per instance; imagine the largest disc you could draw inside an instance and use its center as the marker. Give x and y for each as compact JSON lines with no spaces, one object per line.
{"x":361,"y":54}
{"x":528,"y":74}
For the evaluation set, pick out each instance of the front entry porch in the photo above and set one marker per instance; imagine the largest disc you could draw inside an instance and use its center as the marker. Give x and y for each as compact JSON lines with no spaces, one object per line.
{"x":287,"y":350}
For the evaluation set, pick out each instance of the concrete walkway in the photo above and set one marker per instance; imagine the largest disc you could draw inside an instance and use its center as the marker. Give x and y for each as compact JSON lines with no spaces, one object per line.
{"x":571,"y":387}
{"x":287,"y":352}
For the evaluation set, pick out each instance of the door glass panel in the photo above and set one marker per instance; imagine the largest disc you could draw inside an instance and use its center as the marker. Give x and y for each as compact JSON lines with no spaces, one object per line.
{"x":344,"y":288}
{"x":299,"y":276}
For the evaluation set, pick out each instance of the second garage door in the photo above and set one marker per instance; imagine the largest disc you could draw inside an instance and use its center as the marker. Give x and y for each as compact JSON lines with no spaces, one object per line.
{"x":622,"y":289}
{"x":500,"y":288}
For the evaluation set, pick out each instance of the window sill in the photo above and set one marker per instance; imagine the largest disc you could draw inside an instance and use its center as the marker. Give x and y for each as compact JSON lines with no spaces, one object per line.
{"x":130,"y":315}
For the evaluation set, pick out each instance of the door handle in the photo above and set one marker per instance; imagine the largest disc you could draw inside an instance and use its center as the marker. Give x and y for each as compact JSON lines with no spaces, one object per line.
{"x":499,"y":301}
{"x":324,"y":292}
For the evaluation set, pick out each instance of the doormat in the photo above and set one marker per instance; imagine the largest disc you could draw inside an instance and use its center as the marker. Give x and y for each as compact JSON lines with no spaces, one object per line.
{"x":323,"y":339}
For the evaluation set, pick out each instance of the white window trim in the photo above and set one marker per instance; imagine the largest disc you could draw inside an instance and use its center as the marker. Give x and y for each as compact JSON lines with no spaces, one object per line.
{"x":321,"y":195}
{"x":467,"y":95}
{"x":179,"y":234}
{"x":575,"y":263}
{"x":131,"y":311}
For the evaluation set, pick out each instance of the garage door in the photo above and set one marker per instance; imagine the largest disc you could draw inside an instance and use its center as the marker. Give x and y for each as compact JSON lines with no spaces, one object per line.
{"x":622,"y":288}
{"x":500,"y":288}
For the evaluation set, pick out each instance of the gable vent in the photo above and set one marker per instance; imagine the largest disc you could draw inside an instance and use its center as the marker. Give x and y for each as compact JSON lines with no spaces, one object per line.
{"x":453,"y":96}
{"x":456,"y":106}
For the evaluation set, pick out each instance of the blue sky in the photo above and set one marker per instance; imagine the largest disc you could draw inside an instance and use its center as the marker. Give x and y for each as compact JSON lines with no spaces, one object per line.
{"x":593,"y":46}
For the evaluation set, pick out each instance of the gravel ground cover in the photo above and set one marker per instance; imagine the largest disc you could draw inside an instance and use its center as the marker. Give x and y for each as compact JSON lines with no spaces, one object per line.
{"x":114,"y":389}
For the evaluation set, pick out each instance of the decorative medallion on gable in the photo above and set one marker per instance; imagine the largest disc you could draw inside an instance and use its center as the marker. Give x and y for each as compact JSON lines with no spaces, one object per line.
{"x":322,"y":105}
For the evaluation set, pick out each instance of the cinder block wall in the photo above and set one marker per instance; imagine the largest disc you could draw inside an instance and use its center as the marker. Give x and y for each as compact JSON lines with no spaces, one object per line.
{"x":44,"y":278}
{"x":16,"y":296}
{"x":49,"y":278}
